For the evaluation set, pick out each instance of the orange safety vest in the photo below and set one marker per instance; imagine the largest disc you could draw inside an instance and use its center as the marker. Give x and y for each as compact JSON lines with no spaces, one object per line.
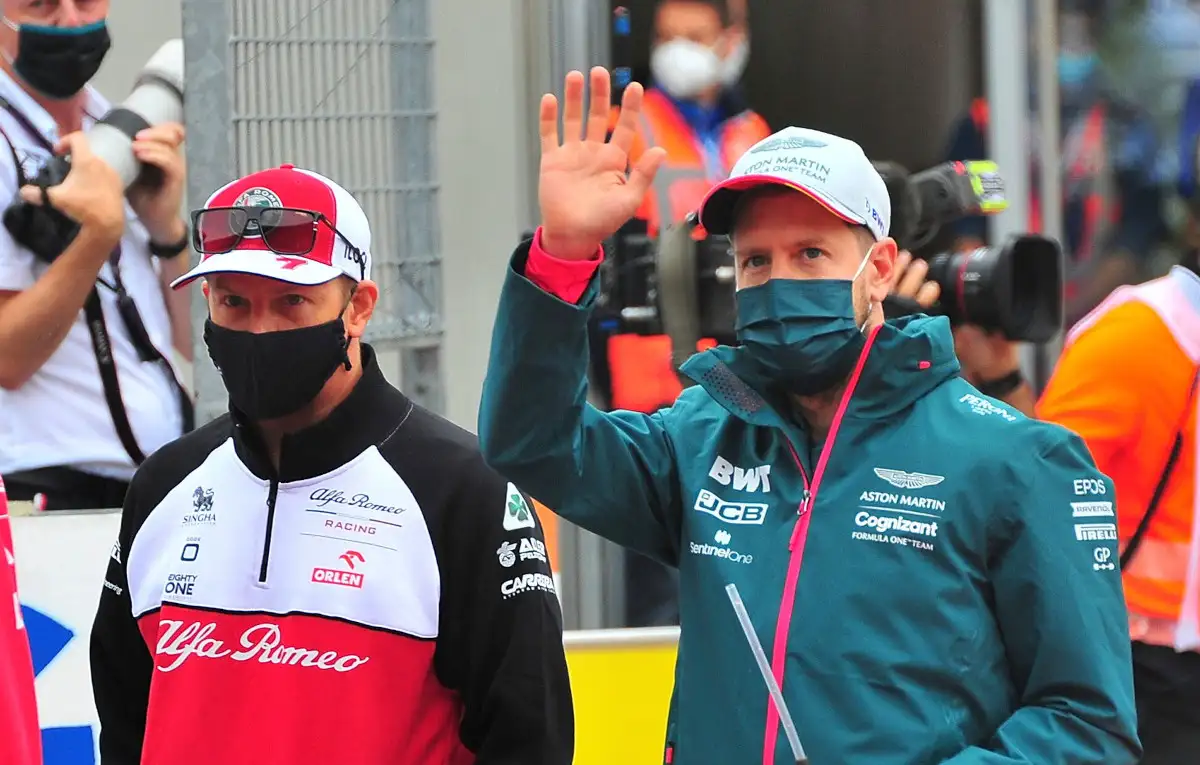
{"x":642,"y":375}
{"x":682,"y":180}
{"x":1123,"y":383}
{"x":1086,"y":155}
{"x":641,"y":369}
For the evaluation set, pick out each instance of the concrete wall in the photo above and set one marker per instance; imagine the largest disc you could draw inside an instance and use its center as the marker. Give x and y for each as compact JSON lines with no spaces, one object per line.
{"x":482,"y":167}
{"x":138,"y":28}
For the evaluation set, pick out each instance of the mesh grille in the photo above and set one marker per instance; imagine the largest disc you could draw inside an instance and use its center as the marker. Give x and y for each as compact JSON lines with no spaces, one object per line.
{"x":344,"y":88}
{"x":726,"y":384}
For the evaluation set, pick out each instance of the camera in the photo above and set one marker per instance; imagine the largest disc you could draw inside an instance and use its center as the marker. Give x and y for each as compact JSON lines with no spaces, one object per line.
{"x":1015,"y":289}
{"x":653,"y":286}
{"x":45,"y":231}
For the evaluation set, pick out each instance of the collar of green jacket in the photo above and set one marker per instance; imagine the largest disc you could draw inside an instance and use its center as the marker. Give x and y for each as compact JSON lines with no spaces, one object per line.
{"x":908,"y":357}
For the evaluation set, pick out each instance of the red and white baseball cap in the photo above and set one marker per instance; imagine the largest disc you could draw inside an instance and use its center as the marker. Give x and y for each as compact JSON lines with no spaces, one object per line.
{"x":341,"y":241}
{"x":831,"y":170}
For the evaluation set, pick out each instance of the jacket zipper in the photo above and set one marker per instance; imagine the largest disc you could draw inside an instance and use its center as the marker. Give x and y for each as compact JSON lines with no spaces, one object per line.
{"x":796,"y":548}
{"x":272,"y":495}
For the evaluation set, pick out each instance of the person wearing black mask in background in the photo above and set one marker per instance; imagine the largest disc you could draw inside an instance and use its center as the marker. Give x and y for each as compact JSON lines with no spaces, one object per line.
{"x":77,"y":422}
{"x":326,"y":539}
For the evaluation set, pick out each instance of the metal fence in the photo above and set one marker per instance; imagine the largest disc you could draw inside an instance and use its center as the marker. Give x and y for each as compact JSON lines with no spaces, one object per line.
{"x":343,"y":88}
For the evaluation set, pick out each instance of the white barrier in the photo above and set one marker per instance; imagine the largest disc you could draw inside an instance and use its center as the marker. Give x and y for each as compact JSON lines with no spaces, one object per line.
{"x":61,"y":562}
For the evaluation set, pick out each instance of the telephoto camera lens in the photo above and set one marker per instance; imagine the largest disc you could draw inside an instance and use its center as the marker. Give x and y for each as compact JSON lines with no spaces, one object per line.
{"x":1016,"y":289}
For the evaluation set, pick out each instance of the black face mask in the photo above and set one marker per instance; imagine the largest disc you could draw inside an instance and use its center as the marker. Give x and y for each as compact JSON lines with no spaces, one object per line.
{"x":274,"y":374}
{"x":59,"y":61}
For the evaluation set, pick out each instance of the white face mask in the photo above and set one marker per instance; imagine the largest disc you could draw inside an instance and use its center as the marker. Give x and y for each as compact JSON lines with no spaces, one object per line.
{"x":684,"y":68}
{"x":734,"y":65}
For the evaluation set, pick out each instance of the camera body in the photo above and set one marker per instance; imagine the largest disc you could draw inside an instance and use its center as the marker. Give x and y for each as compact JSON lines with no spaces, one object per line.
{"x":43,"y":230}
{"x":1015,"y":289}
{"x":678,"y":282}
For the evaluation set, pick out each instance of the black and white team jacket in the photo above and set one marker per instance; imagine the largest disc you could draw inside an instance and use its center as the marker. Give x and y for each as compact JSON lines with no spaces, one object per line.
{"x":384,"y":599}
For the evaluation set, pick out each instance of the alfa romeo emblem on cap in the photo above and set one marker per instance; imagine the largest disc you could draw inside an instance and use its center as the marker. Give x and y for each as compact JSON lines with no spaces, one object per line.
{"x":785,"y":142}
{"x":258,"y":197}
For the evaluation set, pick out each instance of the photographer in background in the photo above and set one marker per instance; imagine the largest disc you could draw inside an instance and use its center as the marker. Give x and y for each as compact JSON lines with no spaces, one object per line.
{"x":1126,"y":383}
{"x":89,"y":387}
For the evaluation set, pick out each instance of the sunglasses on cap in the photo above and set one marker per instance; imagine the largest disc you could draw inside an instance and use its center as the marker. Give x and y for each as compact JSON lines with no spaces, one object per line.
{"x":284,"y":230}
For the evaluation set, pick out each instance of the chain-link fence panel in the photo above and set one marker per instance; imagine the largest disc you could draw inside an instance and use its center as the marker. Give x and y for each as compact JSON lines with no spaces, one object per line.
{"x":343,"y":88}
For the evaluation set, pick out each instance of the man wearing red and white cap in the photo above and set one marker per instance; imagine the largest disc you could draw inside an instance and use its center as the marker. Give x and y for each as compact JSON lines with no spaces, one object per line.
{"x":930,"y":574}
{"x":329,"y":573}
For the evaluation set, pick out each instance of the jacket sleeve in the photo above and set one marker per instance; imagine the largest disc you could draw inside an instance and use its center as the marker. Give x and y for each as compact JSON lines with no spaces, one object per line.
{"x":1060,"y":608}
{"x":120,"y":661}
{"x":613,"y":473}
{"x":501,"y":642}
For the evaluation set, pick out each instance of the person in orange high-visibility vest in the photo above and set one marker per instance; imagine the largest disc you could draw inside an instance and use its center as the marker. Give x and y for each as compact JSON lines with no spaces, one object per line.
{"x":694,"y":110}
{"x":1126,"y":383}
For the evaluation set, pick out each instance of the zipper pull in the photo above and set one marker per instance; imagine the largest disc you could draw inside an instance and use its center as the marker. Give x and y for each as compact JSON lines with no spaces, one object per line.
{"x":805,"y":498}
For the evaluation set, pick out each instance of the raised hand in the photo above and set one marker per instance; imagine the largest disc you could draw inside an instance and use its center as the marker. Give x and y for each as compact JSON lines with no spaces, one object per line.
{"x":158,"y":206}
{"x":908,"y":280}
{"x":583,"y":189}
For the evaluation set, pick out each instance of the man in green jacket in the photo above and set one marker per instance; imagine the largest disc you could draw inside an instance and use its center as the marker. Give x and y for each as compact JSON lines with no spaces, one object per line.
{"x":931,"y":574}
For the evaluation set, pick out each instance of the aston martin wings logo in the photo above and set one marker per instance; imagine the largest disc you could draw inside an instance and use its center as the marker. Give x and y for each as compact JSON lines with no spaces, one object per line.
{"x":904,"y":480}
{"x":787,"y":142}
